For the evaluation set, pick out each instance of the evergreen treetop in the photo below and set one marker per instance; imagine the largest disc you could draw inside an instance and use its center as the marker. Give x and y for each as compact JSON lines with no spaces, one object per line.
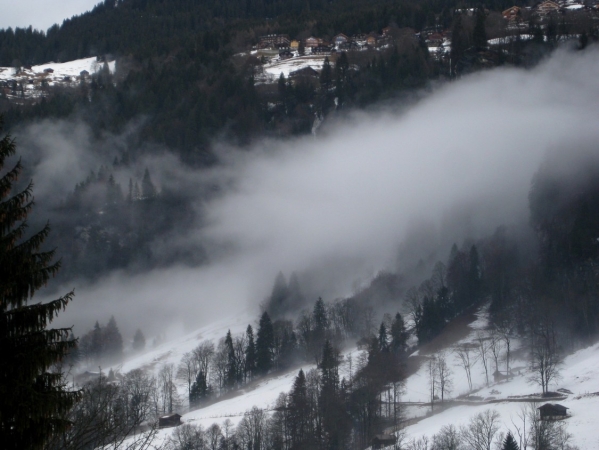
{"x":34,"y":395}
{"x":510,"y":443}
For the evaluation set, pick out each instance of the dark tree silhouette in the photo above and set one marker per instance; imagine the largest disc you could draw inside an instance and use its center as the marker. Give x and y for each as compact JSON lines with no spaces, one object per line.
{"x":33,"y":392}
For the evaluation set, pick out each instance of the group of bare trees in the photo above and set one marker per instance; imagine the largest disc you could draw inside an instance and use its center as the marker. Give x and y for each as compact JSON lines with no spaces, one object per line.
{"x":483,"y":432}
{"x":118,"y":413}
{"x":440,"y":377}
{"x":545,"y":356}
{"x":490,"y":348}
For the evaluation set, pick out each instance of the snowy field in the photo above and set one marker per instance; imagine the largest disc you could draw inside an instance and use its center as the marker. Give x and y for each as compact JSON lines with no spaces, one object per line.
{"x":285,"y":67}
{"x":579,"y":374}
{"x":61,"y":70}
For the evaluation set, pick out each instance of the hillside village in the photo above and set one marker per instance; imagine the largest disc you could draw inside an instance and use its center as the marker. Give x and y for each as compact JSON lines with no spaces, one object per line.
{"x":296,"y":56}
{"x":567,"y":19}
{"x":27,"y":84}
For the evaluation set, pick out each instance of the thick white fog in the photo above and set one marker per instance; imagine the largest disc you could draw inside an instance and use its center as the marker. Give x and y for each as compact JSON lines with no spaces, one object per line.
{"x":337,"y":207}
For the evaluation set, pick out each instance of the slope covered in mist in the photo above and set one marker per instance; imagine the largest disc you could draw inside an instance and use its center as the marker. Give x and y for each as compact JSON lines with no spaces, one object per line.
{"x":373,"y":192}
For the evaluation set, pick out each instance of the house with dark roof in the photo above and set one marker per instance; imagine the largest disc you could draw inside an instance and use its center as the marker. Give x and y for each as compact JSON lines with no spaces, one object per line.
{"x":383,"y":440}
{"x":340,"y":39}
{"x":171,"y":420}
{"x":552,"y":411}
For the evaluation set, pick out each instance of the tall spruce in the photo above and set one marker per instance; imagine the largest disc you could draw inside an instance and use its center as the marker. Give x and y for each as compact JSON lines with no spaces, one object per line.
{"x":34,"y":396}
{"x":139,"y":341}
{"x":231,"y":373}
{"x":320,"y":323}
{"x":299,"y":411}
{"x":383,"y":338}
{"x":479,"y":34}
{"x":399,"y":335}
{"x":264,"y":344}
{"x":112,"y":341}
{"x":148,"y":190}
{"x":510,"y":443}
{"x":250,"y":354}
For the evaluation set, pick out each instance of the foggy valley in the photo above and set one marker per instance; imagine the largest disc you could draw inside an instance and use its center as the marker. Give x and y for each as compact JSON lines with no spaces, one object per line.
{"x":234,"y":225}
{"x":339,"y":207}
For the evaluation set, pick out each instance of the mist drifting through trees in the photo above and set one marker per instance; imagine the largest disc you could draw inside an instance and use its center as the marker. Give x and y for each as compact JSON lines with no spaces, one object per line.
{"x":378,"y":191}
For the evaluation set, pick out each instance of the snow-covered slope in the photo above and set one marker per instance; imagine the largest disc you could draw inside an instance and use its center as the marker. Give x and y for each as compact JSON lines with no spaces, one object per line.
{"x":580,"y":375}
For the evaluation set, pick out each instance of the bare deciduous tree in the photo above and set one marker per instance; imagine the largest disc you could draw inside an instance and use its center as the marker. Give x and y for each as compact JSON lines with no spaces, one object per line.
{"x":505,"y":331}
{"x":203,"y":355}
{"x":495,"y":347}
{"x":220,"y":363}
{"x":467,"y":359}
{"x":482,"y":352}
{"x":481,"y":430}
{"x":545,"y":359}
{"x":103,"y":420}
{"x":444,"y":373}
{"x":213,"y":435}
{"x":188,"y":369}
{"x":432,"y":371}
{"x":251,"y":431}
{"x":187,"y":437}
{"x":448,"y":438}
{"x":167,"y":390}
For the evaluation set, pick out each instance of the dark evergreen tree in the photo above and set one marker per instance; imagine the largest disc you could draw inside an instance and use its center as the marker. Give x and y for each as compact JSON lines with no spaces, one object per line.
{"x":199,"y":389}
{"x":112,"y":341}
{"x":96,"y":349}
{"x":458,"y":45}
{"x":264,"y":344}
{"x":320,"y":322}
{"x":148,"y":190}
{"x":34,"y":397}
{"x":510,"y":443}
{"x":399,"y":335}
{"x":335,"y":421}
{"x":326,"y":75}
{"x":474,"y":277}
{"x":329,"y":367}
{"x":139,"y":341}
{"x":231,"y":374}
{"x":479,"y":34}
{"x":250,"y":354}
{"x":383,"y":338}
{"x":299,"y":412}
{"x":295,"y":297}
{"x":277,"y":302}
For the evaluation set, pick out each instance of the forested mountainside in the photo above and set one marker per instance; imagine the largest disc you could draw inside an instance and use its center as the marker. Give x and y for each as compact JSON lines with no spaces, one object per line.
{"x":147,"y":28}
{"x":186,"y":66}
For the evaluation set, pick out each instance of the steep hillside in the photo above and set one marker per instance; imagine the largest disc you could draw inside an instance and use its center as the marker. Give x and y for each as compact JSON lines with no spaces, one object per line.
{"x":512,"y":399}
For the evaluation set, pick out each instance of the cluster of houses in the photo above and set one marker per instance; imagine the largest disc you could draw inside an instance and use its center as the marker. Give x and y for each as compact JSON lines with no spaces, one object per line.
{"x":433,"y":38}
{"x":547,"y":8}
{"x":318,"y":46}
{"x":25,"y":82}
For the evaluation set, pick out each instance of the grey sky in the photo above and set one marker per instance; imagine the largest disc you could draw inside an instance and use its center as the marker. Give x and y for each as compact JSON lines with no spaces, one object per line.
{"x":40,"y":14}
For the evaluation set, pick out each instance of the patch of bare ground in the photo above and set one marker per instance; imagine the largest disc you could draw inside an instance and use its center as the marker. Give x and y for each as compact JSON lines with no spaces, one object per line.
{"x":455,"y":330}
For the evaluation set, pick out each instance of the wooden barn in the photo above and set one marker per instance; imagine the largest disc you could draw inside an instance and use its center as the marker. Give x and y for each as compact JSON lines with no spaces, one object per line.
{"x":552,"y":411}
{"x":171,"y":420}
{"x":383,"y":440}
